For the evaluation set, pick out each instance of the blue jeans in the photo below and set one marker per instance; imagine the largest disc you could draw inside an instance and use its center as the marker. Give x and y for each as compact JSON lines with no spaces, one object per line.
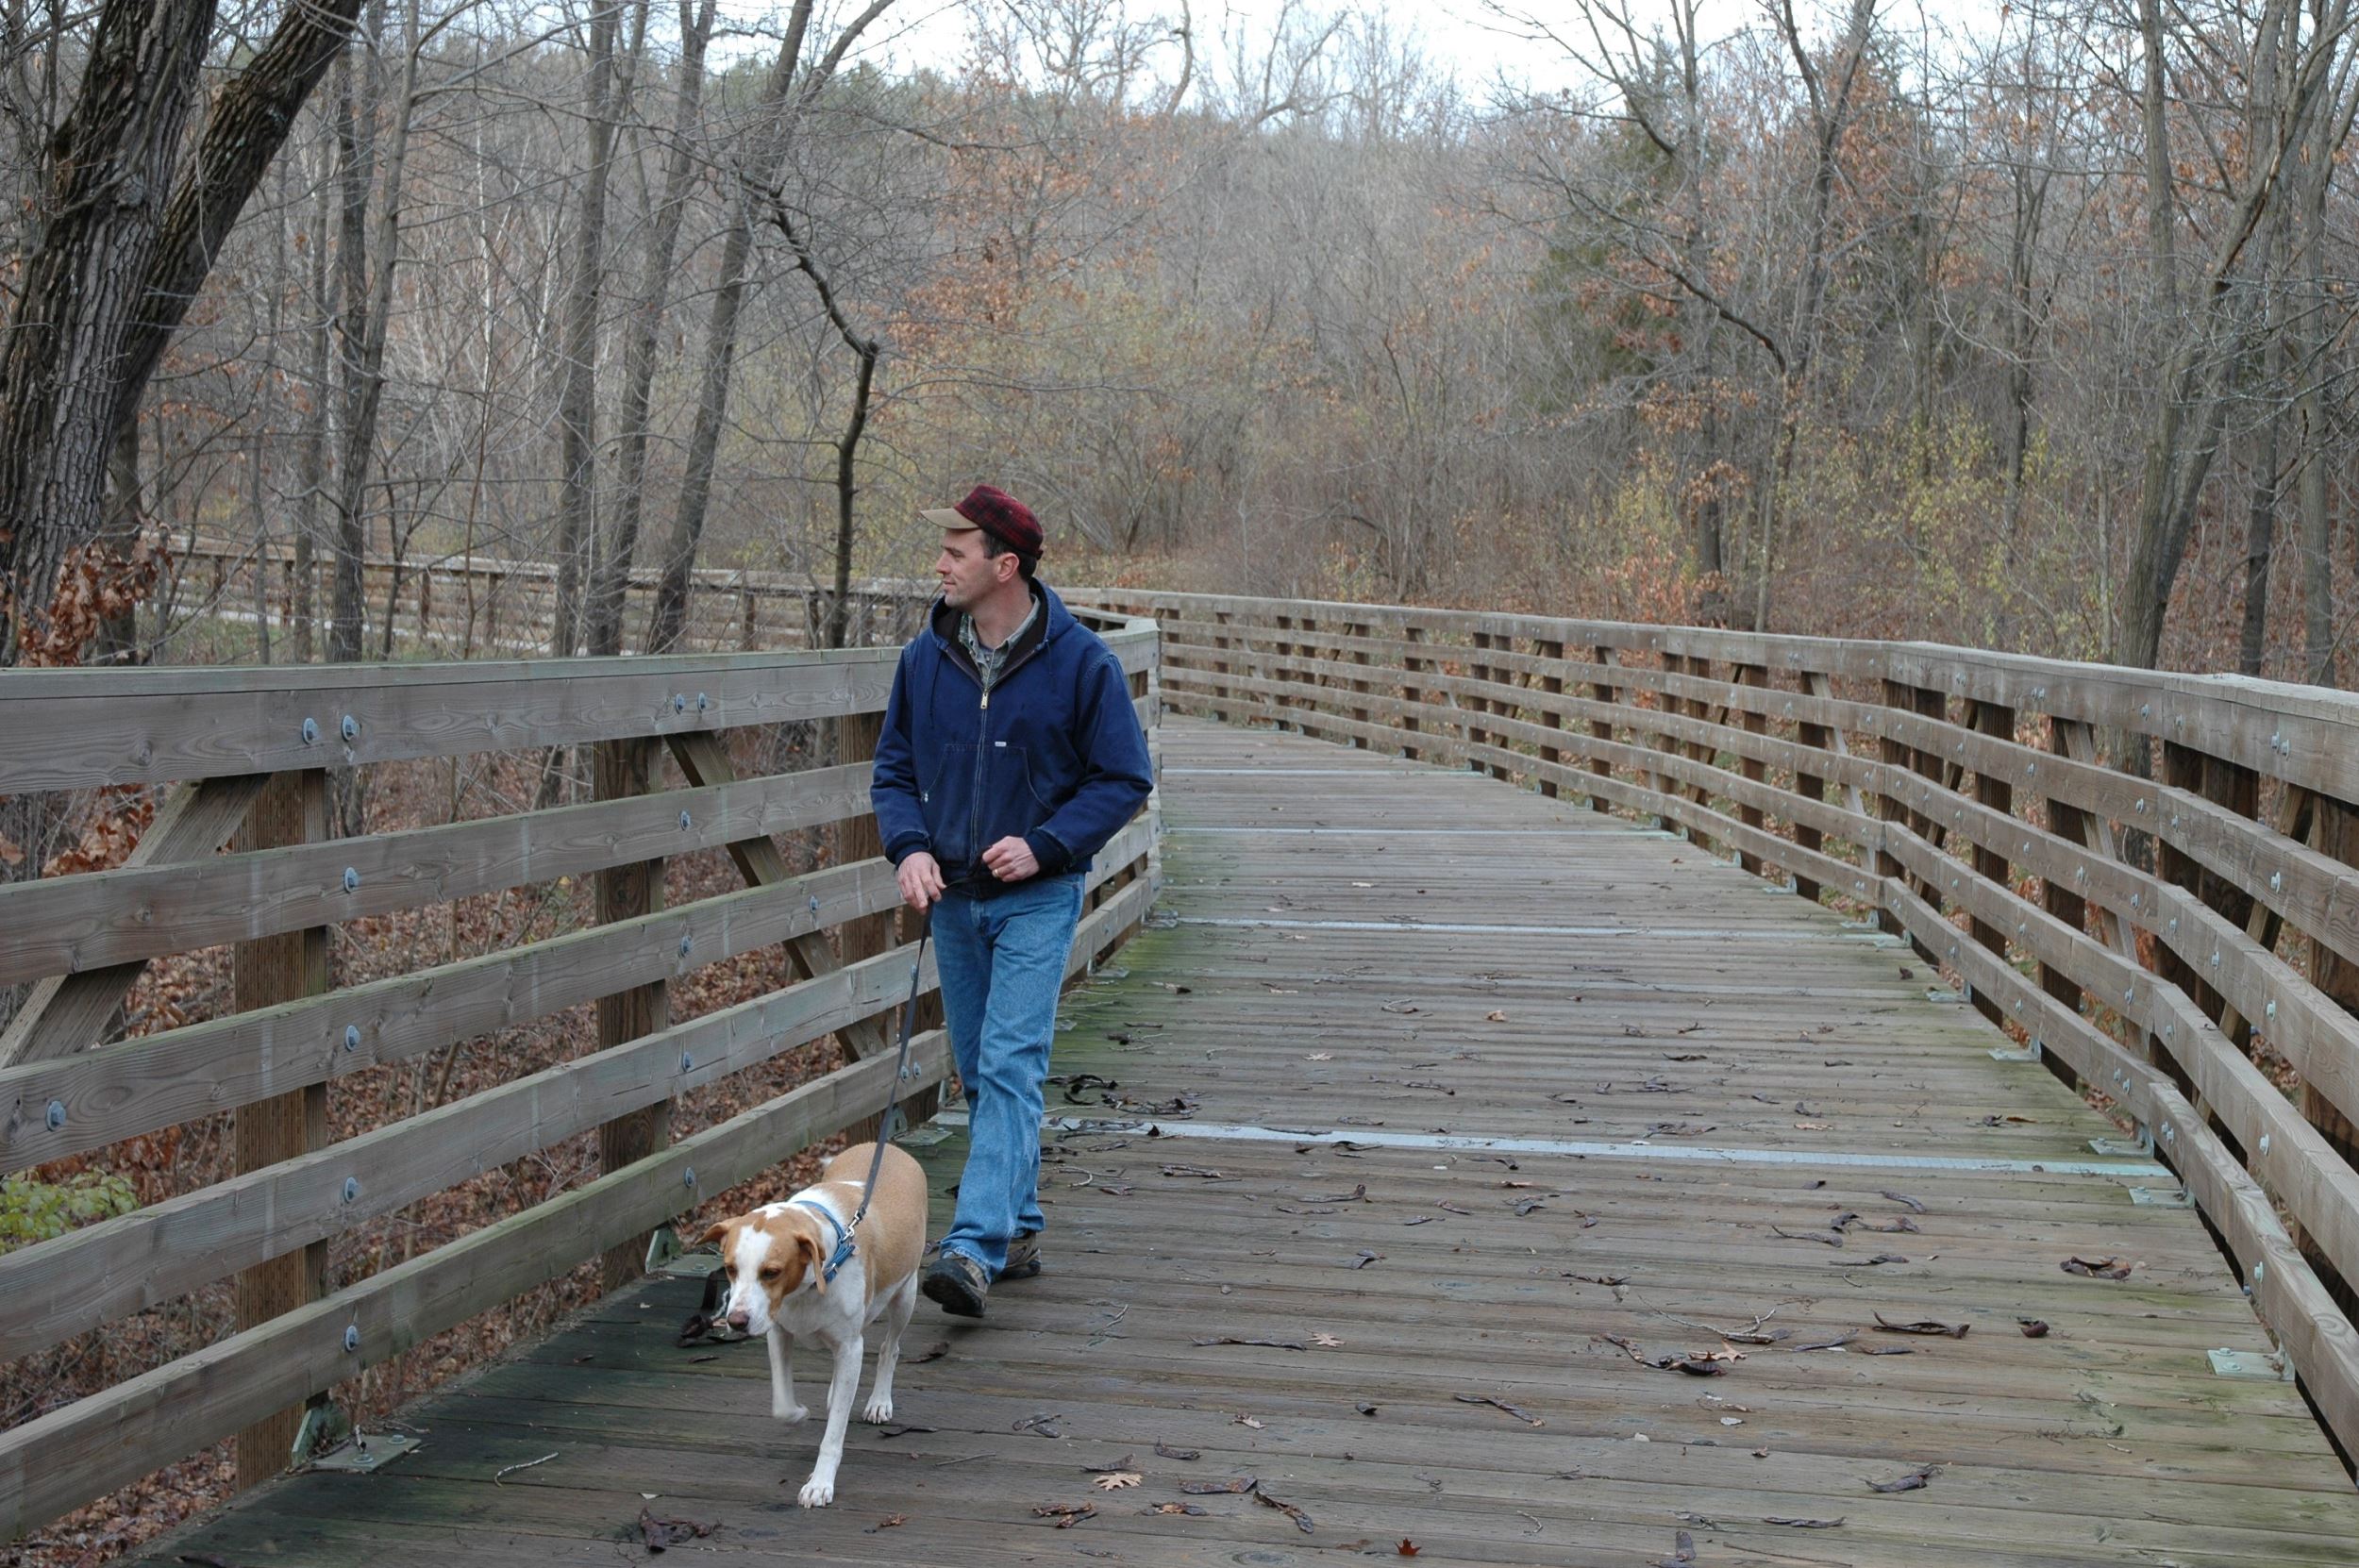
{"x":1002,"y":963}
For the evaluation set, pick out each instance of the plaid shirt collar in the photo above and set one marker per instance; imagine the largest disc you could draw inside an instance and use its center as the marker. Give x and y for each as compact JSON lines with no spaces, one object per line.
{"x":988,"y":660}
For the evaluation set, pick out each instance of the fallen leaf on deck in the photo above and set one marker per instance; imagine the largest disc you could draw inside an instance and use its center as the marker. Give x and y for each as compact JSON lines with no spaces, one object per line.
{"x":662,"y":1534}
{"x":1835,"y":1343}
{"x":1522,"y":1415}
{"x":2102,"y":1268}
{"x":1407,"y":1548}
{"x":1913,"y":1481}
{"x":1320,"y":1056}
{"x":1165,"y":1451}
{"x":1116,"y":1480}
{"x":1365,"y":1407}
{"x":1204,"y":1171}
{"x":1065,"y":1514}
{"x":1248,"y":1421}
{"x":1120,"y":1465}
{"x":1302,"y":1519}
{"x":1495,"y":1018}
{"x":1682,"y":1551}
{"x":1822,"y":1237}
{"x":2033,"y":1329}
{"x":1923,"y":1326}
{"x":891,"y":1521}
{"x":1525,"y":1205}
{"x":1400,"y":1007}
{"x":1268,"y":1344}
{"x":1325,"y":1340}
{"x":1177,"y":1508}
{"x":1812,"y":1126}
{"x":1904,"y":1201}
{"x":1679,"y":1130}
{"x":1366,"y":1259}
{"x":885,"y":1432}
{"x":1215,"y":1488}
{"x":1803,"y":1523}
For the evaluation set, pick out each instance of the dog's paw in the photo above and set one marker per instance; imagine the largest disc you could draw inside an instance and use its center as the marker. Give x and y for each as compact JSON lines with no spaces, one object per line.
{"x":878,"y":1410}
{"x":816,"y":1493}
{"x":792,"y":1413}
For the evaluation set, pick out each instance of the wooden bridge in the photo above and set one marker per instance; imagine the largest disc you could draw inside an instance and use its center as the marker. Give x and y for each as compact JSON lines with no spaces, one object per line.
{"x":1477,"y":1150}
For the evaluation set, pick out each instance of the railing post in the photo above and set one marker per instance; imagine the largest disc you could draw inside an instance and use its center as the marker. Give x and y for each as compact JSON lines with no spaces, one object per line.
{"x":2334,"y":833}
{"x":620,"y":769}
{"x":292,"y":810}
{"x":1358,"y":632}
{"x":2057,"y":895}
{"x":1412,"y":694}
{"x":1810,"y":786}
{"x":1228,"y":670}
{"x":1553,"y":684}
{"x":1992,"y":865}
{"x":1754,"y":771}
{"x":1607,"y":693}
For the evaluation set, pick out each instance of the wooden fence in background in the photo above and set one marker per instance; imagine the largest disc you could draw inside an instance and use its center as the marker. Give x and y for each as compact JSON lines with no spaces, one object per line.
{"x":2181,"y":939}
{"x":476,"y":607}
{"x":246,"y":755}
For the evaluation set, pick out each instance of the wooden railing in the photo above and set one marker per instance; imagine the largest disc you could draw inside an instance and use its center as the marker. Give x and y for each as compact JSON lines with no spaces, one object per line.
{"x":250,"y":752}
{"x":470,"y":606}
{"x":2180,"y":940}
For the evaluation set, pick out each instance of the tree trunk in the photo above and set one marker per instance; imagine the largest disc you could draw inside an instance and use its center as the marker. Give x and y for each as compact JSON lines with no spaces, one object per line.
{"x":83,"y":288}
{"x":109,"y":277}
{"x":577,"y":396}
{"x":609,"y":593}
{"x":368,"y":304}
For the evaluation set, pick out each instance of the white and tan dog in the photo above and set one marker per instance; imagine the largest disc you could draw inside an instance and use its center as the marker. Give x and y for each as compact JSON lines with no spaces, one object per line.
{"x":792,"y":1277}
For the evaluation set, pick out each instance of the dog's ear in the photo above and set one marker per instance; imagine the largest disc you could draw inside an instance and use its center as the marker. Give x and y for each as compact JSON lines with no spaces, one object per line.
{"x":815,"y":1260}
{"x":718,"y":1233}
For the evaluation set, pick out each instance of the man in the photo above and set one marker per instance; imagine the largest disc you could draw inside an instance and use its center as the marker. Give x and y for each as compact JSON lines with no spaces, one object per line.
{"x":1009,"y":755}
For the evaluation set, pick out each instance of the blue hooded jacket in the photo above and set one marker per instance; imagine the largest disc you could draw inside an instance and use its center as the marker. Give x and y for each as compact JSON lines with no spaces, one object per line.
{"x":1054,"y":756}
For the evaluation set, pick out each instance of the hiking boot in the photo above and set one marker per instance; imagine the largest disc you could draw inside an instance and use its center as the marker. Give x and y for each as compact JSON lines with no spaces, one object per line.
{"x":956,"y":1284}
{"x":1023,"y":1259}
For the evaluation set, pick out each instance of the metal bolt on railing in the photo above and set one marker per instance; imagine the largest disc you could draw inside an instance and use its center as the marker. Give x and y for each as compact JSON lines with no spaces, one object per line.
{"x":352,"y":1037}
{"x":684,"y":822}
{"x":352,"y":1189}
{"x":352,"y":879}
{"x":310,"y":732}
{"x":352,"y":1338}
{"x":55,"y":1116}
{"x":350,"y":728}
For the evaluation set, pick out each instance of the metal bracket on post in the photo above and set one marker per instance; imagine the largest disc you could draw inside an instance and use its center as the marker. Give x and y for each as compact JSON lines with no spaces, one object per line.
{"x":2271,"y":1364}
{"x":2162,"y":1197}
{"x":663,"y":1246}
{"x":328,"y":1440}
{"x":2142,"y":1147}
{"x":2029,"y":1052}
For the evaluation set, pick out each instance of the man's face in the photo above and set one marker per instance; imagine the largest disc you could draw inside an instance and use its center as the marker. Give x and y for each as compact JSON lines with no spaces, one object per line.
{"x":969,"y":573}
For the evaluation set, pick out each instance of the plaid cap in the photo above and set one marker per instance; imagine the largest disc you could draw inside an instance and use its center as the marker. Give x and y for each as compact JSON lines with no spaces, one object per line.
{"x":997,"y":513}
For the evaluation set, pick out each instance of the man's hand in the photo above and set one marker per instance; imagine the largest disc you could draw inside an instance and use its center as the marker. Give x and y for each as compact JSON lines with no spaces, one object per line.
{"x":920,"y":876}
{"x":1011,"y":860}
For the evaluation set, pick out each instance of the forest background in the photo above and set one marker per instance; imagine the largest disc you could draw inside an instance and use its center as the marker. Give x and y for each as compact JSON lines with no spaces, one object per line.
{"x":2025,"y":326}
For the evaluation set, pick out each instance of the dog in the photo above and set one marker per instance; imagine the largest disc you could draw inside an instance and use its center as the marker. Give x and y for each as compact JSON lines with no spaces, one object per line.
{"x":792,"y":1277}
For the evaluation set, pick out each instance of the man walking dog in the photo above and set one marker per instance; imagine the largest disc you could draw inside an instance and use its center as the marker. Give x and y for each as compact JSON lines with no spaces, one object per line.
{"x":1009,"y":755}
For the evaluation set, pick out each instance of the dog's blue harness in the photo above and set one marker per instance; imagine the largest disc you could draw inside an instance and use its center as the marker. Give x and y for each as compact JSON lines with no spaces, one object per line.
{"x":845,"y":1247}
{"x":886,"y":1126}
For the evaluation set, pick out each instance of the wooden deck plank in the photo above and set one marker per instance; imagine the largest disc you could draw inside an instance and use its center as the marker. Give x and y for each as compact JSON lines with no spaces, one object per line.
{"x":1700,"y":1063}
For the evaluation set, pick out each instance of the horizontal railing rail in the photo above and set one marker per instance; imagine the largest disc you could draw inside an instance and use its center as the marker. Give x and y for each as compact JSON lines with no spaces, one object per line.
{"x":2147,"y":879}
{"x":245,"y":765}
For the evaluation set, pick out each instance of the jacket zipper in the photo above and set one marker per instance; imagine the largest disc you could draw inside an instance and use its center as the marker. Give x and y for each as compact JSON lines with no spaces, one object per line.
{"x":982,"y":747}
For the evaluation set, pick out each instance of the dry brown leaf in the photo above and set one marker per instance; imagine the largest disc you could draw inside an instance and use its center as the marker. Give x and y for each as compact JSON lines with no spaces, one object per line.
{"x":1495,"y":1018}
